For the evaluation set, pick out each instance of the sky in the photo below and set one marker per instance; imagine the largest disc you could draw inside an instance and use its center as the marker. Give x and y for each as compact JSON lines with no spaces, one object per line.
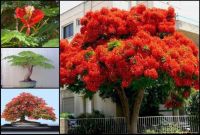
{"x":51,"y":96}
{"x":188,"y":10}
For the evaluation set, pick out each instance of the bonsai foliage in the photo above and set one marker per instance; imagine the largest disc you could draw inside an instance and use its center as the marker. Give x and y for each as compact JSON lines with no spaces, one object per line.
{"x":122,"y":53}
{"x":28,"y":23}
{"x":27,"y":105}
{"x":29,"y":60}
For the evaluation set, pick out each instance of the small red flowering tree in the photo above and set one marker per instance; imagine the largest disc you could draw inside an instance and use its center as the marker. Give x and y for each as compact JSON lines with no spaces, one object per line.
{"x":122,"y":53}
{"x":28,"y":105}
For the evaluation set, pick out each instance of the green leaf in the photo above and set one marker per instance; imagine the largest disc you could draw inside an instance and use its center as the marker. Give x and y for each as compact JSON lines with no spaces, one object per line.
{"x":29,"y":58}
{"x":88,"y":54}
{"x":51,"y":11}
{"x":5,"y":6}
{"x":145,"y":48}
{"x":52,"y":43}
{"x":50,"y":28}
{"x":163,"y":59}
{"x":10,"y":37}
{"x":113,"y":44}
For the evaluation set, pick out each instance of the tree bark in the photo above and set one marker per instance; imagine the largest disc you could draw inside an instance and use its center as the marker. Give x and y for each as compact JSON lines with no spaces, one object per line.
{"x":28,"y":75}
{"x":125,"y":106}
{"x":131,"y":117}
{"x":22,"y":118}
{"x":136,"y":110}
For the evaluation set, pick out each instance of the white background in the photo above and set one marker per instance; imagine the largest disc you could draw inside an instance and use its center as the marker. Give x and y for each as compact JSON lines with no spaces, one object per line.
{"x":187,"y":10}
{"x":11,"y":75}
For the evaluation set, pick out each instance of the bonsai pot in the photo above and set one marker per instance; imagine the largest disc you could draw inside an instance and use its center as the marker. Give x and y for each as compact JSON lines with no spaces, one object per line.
{"x":25,"y":123}
{"x":27,"y":84}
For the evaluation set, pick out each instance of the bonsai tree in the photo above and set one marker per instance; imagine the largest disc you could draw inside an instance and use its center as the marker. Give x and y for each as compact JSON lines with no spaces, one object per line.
{"x":121,"y":54}
{"x":27,"y":105}
{"x":29,"y":60}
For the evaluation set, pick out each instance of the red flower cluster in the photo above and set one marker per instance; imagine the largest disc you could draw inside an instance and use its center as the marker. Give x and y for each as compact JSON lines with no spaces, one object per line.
{"x":176,"y":99}
{"x":29,"y":16}
{"x":151,"y":73}
{"x":28,"y":105}
{"x":116,"y":44}
{"x":186,"y":94}
{"x":173,"y":104}
{"x":120,"y":23}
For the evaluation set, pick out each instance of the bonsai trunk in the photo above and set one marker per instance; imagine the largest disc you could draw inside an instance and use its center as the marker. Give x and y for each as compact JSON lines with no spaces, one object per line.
{"x":22,"y":118}
{"x":131,"y":116}
{"x":28,"y":75}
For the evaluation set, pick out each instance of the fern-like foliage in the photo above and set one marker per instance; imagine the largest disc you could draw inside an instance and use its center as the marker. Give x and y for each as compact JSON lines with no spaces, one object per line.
{"x":51,"y":11}
{"x":14,"y":38}
{"x":29,"y":58}
{"x":52,"y":43}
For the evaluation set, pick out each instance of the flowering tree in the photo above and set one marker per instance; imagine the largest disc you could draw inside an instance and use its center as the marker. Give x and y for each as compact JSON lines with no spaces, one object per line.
{"x":28,"y":23}
{"x":27,"y":105}
{"x":122,"y":53}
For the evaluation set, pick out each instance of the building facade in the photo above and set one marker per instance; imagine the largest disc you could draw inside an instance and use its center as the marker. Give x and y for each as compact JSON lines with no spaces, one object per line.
{"x":70,"y":25}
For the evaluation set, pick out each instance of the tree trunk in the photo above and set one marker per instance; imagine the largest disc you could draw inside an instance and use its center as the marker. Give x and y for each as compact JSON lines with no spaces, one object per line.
{"x":175,"y":112}
{"x":136,"y":110}
{"x":28,"y":75}
{"x":131,"y":118}
{"x":22,"y":118}
{"x":125,"y":106}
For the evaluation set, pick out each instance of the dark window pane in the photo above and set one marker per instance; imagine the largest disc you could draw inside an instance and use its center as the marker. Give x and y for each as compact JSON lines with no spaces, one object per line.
{"x":68,"y":31}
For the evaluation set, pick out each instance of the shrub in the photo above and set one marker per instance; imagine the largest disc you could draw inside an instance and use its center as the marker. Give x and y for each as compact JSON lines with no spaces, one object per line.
{"x":193,"y":109}
{"x":170,"y":128}
{"x":94,"y":114}
{"x":66,"y":115}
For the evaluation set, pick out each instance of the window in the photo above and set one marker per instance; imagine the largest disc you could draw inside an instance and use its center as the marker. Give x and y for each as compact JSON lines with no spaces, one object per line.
{"x":68,"y":104}
{"x":68,"y":31}
{"x":78,"y":22}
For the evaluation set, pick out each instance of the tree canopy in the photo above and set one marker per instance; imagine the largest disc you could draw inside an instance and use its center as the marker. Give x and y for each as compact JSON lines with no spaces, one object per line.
{"x":29,"y":58}
{"x":28,"y":105}
{"x":132,"y":48}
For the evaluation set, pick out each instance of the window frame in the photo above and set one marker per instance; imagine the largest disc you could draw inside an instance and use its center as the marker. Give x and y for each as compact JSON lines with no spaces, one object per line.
{"x":64,"y":28}
{"x":78,"y":23}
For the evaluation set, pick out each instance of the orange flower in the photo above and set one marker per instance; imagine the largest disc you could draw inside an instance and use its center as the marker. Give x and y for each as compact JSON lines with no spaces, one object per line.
{"x":29,"y":16}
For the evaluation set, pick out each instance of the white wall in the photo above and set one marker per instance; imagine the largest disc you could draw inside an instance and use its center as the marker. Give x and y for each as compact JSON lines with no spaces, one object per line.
{"x":78,"y":12}
{"x":11,"y":75}
{"x":104,"y":105}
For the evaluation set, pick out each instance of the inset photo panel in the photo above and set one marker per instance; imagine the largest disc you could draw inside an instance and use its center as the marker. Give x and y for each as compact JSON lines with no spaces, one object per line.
{"x":30,"y":67}
{"x":30,"y":24}
{"x":29,"y":111}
